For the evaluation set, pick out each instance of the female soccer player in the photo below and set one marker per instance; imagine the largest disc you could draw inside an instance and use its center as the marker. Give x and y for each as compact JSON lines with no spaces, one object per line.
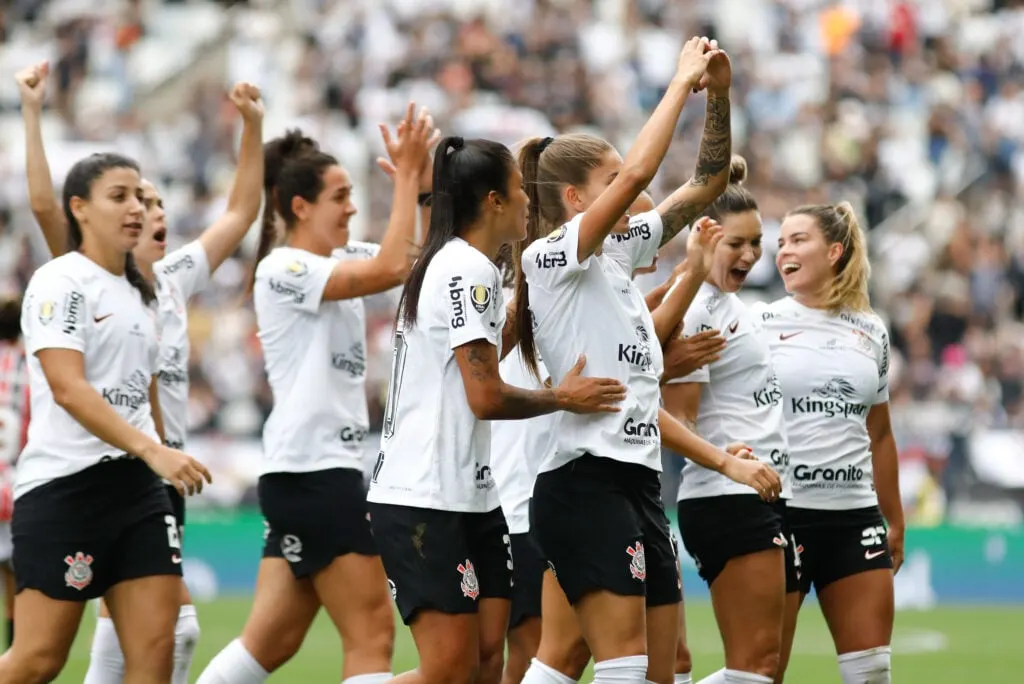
{"x":307,"y":295}
{"x":830,"y":352}
{"x":14,"y":419}
{"x":435,"y":511}
{"x":736,"y":538}
{"x":596,"y":509}
{"x":175,"y":278}
{"x":91,"y":517}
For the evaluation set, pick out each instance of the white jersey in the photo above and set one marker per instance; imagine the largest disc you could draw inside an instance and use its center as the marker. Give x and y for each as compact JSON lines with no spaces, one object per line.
{"x":314,"y":352}
{"x":519,"y":446}
{"x":434,"y":452}
{"x":73,"y":303}
{"x":179,"y":275}
{"x":740,"y":398}
{"x":832,"y":370}
{"x":594,"y":308}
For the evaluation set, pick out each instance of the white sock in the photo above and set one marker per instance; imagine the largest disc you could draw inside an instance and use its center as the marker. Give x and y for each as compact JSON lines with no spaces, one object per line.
{"x":683,"y":678}
{"x":186,"y":635}
{"x":740,"y":677}
{"x":233,"y":665}
{"x":872,"y":666}
{"x":628,"y":670}
{"x":373,"y":678}
{"x":539,"y":673}
{"x":106,"y":662}
{"x":714,"y":678}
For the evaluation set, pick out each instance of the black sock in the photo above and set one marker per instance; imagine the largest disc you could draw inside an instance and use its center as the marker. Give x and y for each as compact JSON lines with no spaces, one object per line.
{"x":10,"y":632}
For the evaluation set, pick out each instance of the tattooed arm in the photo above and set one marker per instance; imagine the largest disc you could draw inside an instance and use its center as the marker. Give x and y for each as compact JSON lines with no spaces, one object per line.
{"x":711,"y":175}
{"x":490,"y":398}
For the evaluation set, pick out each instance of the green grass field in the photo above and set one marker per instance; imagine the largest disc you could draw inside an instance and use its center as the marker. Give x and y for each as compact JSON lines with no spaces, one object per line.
{"x":946,"y":646}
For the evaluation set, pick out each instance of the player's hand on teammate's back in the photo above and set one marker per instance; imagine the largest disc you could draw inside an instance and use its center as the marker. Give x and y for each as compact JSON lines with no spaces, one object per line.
{"x":578,"y":394}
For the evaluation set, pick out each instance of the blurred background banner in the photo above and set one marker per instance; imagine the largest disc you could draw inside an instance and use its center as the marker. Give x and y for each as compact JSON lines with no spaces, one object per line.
{"x":911,"y":109}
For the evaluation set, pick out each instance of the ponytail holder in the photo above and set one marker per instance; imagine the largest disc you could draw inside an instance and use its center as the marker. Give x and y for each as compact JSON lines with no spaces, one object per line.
{"x":456,"y":143}
{"x":544,"y":144}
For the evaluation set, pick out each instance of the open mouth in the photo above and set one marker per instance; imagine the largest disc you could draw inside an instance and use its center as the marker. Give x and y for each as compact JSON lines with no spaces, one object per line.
{"x":160,"y":235}
{"x":789,"y":267}
{"x":739,"y":274}
{"x":134,"y":227}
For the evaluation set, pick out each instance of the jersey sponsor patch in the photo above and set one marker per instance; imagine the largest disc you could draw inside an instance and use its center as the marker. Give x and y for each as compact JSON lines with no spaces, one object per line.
{"x":297,"y":268}
{"x":480,"y":295}
{"x":556,"y":235}
{"x":46,"y":309}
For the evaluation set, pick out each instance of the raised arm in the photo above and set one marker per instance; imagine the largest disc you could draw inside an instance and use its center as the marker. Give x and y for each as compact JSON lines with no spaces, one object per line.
{"x":711,"y":175}
{"x":41,"y":194}
{"x":700,"y":250}
{"x":647,"y":153}
{"x":409,"y":151}
{"x":490,"y":398}
{"x":222,"y":238}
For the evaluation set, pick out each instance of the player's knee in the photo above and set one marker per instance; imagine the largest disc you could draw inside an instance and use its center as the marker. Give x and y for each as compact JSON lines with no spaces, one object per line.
{"x":37,"y":666}
{"x":569,"y":657}
{"x":492,"y":662}
{"x":763,"y":661}
{"x":872,"y":666}
{"x":151,"y":653}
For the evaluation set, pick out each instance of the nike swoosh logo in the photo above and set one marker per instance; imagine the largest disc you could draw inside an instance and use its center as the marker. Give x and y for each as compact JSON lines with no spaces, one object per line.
{"x":786,"y":336}
{"x":870,"y":555}
{"x":732,"y":328}
{"x":99,"y":319}
{"x":176,"y":559}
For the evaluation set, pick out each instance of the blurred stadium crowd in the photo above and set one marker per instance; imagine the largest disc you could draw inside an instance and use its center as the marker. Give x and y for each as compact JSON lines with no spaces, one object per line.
{"x":911,"y":109}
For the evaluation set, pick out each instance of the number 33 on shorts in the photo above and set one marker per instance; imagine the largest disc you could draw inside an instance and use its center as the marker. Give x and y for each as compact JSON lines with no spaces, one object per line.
{"x":873,"y":536}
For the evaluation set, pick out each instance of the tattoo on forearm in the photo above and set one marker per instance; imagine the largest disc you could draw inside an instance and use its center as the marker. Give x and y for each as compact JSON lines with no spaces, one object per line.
{"x":690,"y":425}
{"x":516,"y":402}
{"x":680,"y":215}
{"x":713,"y":159}
{"x":716,"y":145}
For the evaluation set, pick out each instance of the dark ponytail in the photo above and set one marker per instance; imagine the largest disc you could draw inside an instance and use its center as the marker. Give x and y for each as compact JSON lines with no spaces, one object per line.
{"x":465,"y":173}
{"x":78,"y":183}
{"x":276,"y":154}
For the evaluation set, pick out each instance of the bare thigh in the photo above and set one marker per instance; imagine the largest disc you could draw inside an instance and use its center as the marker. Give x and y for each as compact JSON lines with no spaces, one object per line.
{"x":144,"y":611}
{"x":46,"y":630}
{"x":859,"y":610}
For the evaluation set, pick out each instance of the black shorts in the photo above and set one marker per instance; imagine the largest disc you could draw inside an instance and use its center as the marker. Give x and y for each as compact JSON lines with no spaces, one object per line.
{"x":312,"y":518}
{"x":716,"y":529}
{"x":177,"y":509}
{"x":528,"y":576}
{"x":442,"y":560}
{"x":601,"y":525}
{"x":831,"y":545}
{"x":79,"y":535}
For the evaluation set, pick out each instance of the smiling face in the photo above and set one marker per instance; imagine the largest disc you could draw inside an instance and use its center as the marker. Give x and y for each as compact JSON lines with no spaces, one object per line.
{"x":805,"y":259}
{"x":738,"y":251}
{"x":152,"y":245}
{"x":112,"y":215}
{"x":327,"y":217}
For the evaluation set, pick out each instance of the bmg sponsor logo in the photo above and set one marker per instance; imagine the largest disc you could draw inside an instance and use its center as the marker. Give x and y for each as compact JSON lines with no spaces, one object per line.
{"x":639,"y":229}
{"x":457,"y":300}
{"x":73,"y":311}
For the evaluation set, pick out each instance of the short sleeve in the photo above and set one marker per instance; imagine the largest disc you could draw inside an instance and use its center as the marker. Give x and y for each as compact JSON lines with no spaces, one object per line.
{"x":188,"y":268}
{"x":883,"y":369}
{"x":55,"y":315}
{"x":475,"y":304}
{"x":637,"y":247}
{"x":697,"y":319}
{"x":551,"y":260}
{"x":296,"y":281}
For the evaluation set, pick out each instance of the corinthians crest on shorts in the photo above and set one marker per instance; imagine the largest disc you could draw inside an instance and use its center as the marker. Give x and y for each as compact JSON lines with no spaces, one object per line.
{"x":470,"y":586}
{"x":638,"y":565}
{"x":79,"y":572}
